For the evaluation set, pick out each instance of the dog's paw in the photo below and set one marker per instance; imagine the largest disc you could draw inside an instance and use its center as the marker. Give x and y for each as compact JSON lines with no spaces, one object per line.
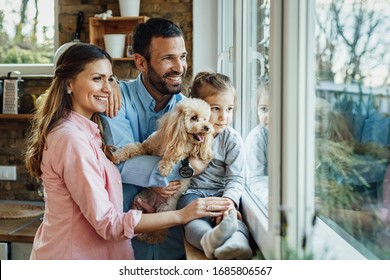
{"x":117,"y":157}
{"x":164,"y":168}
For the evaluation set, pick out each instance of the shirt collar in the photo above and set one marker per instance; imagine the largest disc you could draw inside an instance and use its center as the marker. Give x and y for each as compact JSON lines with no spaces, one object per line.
{"x":86,"y":125}
{"x":148,"y":101}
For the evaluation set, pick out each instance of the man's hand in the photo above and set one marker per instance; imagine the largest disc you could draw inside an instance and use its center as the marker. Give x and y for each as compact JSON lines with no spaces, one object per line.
{"x":169,"y":190}
{"x":140,"y":204}
{"x":114,"y":101}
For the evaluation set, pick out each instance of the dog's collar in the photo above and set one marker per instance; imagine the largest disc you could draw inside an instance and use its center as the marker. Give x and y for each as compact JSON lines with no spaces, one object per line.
{"x":186,"y":170}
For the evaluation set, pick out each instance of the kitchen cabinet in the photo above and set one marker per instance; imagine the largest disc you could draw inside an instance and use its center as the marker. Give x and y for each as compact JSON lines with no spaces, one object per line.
{"x":21,"y":251}
{"x":98,"y":27}
{"x":4,"y":251}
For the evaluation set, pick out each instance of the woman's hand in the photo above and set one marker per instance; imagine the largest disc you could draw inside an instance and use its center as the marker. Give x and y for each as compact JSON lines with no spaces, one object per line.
{"x":231,"y":206}
{"x":204,"y":207}
{"x":199,"y":208}
{"x":169,"y":190}
{"x":114,"y":101}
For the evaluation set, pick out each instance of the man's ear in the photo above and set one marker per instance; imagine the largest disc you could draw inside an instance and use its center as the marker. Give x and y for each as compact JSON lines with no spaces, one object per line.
{"x":140,"y":62}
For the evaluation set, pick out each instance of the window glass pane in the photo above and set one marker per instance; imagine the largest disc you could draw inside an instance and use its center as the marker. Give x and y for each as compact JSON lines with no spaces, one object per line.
{"x":256,"y":102}
{"x":353,"y":122}
{"x":26,"y":31}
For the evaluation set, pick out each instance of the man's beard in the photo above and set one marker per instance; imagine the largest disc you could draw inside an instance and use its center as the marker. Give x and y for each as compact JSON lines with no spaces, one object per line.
{"x":159,"y":83}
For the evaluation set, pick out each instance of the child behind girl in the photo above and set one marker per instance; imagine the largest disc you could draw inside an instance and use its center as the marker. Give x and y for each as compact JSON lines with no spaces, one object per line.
{"x":256,"y":149}
{"x":223,"y":177}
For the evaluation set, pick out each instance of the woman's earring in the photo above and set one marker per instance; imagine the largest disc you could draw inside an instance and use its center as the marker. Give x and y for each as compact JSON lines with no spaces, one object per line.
{"x":69,"y":91}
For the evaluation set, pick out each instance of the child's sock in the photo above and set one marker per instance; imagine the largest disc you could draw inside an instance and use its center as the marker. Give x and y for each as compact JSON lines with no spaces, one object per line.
{"x":236,"y":247}
{"x":219,"y":234}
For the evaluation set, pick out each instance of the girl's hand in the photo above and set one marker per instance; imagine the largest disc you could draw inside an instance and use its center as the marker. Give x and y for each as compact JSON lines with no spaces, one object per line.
{"x":169,"y":190}
{"x":204,"y":207}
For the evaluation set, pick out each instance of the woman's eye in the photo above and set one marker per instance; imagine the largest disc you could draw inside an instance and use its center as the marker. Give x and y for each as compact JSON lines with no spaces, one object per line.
{"x":97,"y":78}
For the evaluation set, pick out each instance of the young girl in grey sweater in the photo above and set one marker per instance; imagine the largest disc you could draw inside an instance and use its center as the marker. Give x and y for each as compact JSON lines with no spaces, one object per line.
{"x":227,"y":237}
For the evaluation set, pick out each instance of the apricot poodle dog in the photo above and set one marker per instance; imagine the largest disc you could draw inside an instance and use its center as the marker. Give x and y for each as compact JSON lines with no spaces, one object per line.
{"x":184,"y":132}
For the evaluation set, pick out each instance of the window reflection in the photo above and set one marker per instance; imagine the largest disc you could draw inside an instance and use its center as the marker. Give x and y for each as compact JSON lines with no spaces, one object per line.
{"x":353,"y":122}
{"x":256,"y":148}
{"x":257,"y":115}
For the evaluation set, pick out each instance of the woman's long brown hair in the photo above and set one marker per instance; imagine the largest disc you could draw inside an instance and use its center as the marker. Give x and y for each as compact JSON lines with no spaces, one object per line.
{"x":57,"y":103}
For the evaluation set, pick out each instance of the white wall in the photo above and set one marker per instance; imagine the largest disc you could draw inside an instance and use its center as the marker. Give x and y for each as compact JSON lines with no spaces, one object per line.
{"x":205,"y":31}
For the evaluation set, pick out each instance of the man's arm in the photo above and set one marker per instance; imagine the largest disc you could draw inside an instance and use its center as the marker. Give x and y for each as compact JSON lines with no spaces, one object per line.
{"x":143,"y":171}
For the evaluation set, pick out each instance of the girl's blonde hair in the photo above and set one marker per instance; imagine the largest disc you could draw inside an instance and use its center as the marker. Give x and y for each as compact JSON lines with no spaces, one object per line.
{"x":57,"y":103}
{"x":215,"y":83}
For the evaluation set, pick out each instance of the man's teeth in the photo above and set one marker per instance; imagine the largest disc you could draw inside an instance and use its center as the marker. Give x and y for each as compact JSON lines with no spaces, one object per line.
{"x":174,"y":78}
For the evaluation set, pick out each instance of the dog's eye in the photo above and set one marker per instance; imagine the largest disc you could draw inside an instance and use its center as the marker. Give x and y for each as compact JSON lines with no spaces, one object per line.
{"x":194,"y":118}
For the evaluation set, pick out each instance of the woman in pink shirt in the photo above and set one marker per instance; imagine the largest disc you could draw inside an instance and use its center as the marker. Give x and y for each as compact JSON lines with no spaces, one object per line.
{"x":83,"y":191}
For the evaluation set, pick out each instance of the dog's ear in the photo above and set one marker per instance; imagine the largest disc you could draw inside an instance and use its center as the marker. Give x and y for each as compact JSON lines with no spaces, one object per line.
{"x":173,"y":126}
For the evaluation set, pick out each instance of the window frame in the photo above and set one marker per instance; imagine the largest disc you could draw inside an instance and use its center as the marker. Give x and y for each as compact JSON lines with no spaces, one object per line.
{"x":291,"y":138}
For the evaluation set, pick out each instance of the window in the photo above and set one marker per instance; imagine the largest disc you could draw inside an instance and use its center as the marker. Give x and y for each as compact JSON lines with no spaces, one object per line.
{"x":256,"y":126}
{"x":27,"y":35}
{"x":244,"y":56}
{"x":353,"y":123}
{"x":326,"y":66}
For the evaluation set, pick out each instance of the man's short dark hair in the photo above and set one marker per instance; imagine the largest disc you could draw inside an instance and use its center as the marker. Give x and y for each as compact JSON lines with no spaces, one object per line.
{"x":154,"y":27}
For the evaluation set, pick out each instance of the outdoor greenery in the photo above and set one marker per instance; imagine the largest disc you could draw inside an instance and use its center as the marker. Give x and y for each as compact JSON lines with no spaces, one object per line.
{"x":24,"y":47}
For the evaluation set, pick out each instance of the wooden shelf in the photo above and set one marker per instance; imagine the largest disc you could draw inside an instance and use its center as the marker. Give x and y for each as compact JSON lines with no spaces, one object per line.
{"x":19,"y":116}
{"x":98,"y":27}
{"x":123,"y":59}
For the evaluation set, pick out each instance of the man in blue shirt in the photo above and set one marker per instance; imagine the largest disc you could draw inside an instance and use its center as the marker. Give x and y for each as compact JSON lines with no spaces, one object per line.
{"x":160,"y":56}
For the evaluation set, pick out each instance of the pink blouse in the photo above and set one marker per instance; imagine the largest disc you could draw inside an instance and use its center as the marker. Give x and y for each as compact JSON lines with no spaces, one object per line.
{"x":83,"y":198}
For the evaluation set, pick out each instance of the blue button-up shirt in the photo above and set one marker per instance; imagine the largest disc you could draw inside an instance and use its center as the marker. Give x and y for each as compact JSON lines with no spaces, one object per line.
{"x":135,"y":121}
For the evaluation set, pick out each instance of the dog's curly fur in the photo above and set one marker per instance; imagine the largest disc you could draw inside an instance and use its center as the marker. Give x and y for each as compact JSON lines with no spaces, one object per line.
{"x":184,"y":132}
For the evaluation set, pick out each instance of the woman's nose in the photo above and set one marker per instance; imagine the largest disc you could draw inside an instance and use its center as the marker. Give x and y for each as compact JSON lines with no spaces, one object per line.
{"x":107,"y":87}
